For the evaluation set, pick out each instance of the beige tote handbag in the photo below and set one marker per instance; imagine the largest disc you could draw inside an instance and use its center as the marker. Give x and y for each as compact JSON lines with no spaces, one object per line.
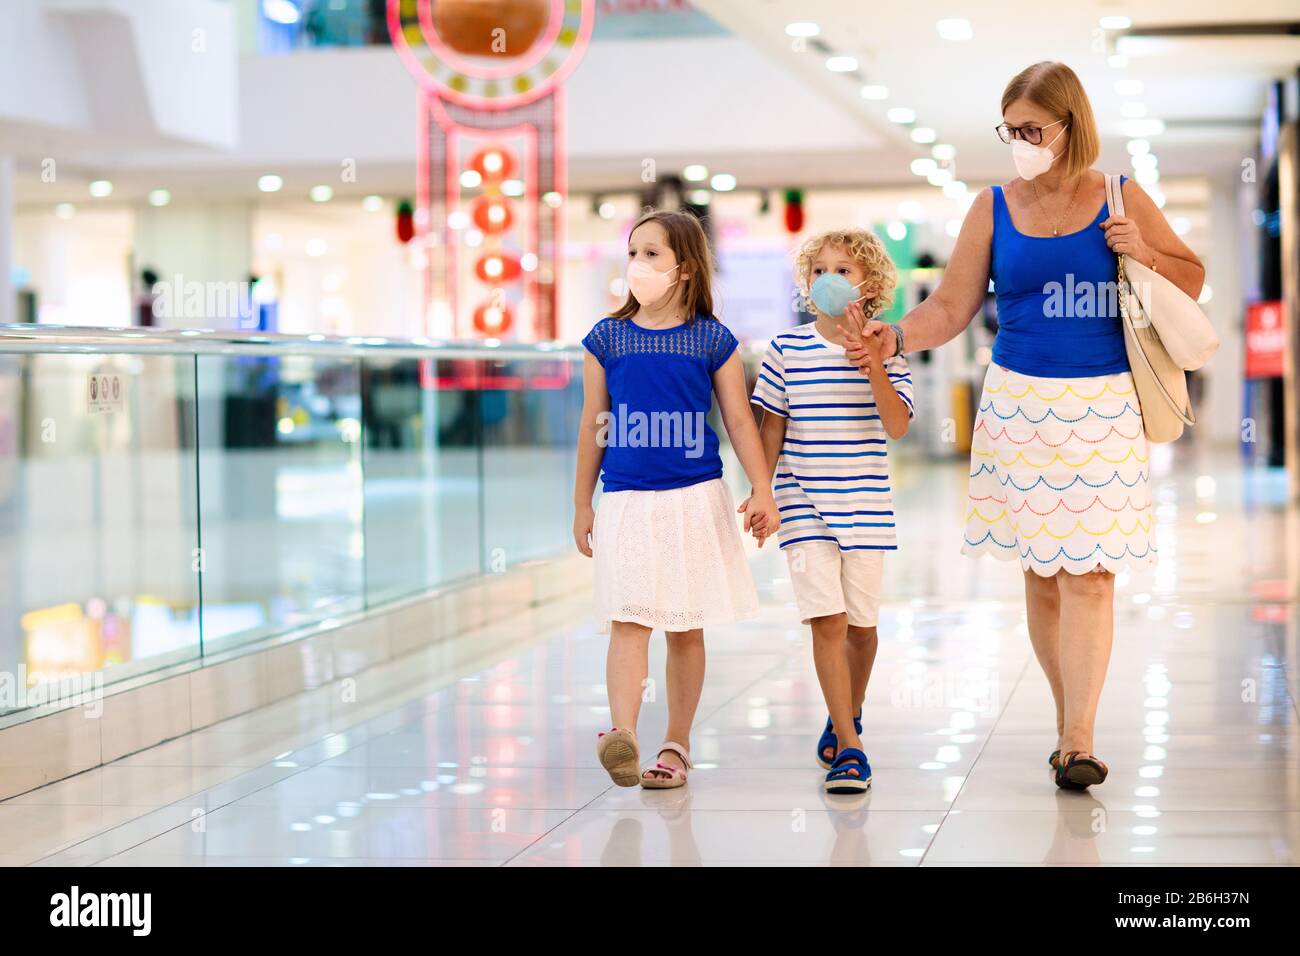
{"x":1159,"y":379}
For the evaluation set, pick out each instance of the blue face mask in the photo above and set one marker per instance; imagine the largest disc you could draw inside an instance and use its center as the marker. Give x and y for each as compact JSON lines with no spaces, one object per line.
{"x":832,"y":293}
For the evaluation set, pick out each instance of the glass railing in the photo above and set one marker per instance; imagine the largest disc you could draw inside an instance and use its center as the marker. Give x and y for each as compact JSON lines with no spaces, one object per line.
{"x":170,"y":494}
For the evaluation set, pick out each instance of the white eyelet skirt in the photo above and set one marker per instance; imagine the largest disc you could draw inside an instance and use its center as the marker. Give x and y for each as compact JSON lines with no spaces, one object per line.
{"x":671,"y":560}
{"x":1059,"y":474}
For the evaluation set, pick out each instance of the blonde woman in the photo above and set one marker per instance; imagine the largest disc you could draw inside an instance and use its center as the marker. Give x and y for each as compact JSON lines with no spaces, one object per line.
{"x":1059,"y":478}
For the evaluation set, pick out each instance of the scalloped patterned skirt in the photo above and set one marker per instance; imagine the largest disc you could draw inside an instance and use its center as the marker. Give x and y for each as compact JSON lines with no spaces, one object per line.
{"x":1059,"y":475}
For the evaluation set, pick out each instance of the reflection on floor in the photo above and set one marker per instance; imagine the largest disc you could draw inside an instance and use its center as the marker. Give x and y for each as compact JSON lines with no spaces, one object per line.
{"x":497,"y":766}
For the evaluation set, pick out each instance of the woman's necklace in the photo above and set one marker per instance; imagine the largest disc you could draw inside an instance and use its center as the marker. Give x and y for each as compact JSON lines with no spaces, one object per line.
{"x":1056,"y":225}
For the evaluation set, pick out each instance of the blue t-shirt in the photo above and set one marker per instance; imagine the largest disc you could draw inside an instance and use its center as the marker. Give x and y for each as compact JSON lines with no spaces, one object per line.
{"x":660,"y":385}
{"x":1058,"y":307}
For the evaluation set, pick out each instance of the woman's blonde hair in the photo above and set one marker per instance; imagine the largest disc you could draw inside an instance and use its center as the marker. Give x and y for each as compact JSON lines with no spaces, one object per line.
{"x":1056,"y":88}
{"x":691,"y":247}
{"x":866,"y":250}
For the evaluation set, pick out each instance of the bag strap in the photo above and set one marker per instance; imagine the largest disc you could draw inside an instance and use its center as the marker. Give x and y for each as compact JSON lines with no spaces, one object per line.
{"x":1114,"y":195}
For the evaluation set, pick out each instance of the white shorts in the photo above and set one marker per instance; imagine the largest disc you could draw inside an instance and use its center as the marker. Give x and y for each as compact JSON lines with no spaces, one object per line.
{"x":830,"y":581}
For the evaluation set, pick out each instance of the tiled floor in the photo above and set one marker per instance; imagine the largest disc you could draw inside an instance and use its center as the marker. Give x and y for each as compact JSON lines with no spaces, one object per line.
{"x":497,"y":765}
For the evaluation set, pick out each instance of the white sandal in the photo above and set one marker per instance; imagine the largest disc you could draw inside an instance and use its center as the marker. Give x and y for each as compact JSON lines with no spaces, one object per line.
{"x":618,"y":753}
{"x":676,"y":775}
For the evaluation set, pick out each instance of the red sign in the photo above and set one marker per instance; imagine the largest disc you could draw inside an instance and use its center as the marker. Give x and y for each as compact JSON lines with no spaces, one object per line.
{"x":1265,"y":340}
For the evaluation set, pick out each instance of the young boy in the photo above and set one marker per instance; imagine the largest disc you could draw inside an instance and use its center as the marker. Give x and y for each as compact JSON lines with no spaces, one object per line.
{"x":824,"y":432}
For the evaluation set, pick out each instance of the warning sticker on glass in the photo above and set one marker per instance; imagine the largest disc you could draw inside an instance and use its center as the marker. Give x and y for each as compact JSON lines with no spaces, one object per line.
{"x":105,"y":392}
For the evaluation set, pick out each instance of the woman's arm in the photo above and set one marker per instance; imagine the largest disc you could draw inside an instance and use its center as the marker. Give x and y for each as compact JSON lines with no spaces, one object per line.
{"x":1146,"y":235}
{"x":943,"y":316}
{"x":738,"y":419}
{"x":595,"y":400}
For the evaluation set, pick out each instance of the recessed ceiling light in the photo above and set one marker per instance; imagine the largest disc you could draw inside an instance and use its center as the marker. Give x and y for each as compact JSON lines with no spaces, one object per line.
{"x":101,"y":188}
{"x":896,"y":230}
{"x":159,"y":197}
{"x":64,"y":210}
{"x":923,"y":134}
{"x":270,"y":183}
{"x":911,"y":210}
{"x":513,"y":188}
{"x":901,"y":115}
{"x":874,"y":91}
{"x":1118,"y":22}
{"x":842,"y":64}
{"x":940,"y":177}
{"x":802,"y":29}
{"x":372,"y":203}
{"x":954,"y":189}
{"x":1129,"y":87}
{"x":471,"y":179}
{"x":924,"y":166}
{"x":723,"y":182}
{"x":1137,"y":147}
{"x":695,"y":173}
{"x":321,"y":194}
{"x":701,"y":197}
{"x":955,"y":29}
{"x":944,"y":152}
{"x":1145,"y":161}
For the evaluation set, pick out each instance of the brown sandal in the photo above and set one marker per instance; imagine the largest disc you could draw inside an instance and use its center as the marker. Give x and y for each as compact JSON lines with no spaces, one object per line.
{"x":619,"y":754}
{"x":1078,"y":770}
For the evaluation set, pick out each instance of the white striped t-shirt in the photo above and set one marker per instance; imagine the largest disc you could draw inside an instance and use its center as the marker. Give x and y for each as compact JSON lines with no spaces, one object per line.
{"x":832,"y":478}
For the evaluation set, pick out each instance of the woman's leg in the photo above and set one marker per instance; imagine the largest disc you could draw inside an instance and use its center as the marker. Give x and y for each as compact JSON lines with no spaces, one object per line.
{"x":830,"y":635}
{"x":1087,"y":625}
{"x":1043,"y":610}
{"x":685,"y":682}
{"x":625,"y":672}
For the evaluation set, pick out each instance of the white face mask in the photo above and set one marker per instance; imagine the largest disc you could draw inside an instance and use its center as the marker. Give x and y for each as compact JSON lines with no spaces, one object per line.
{"x":646,"y":283}
{"x":1034,"y":160}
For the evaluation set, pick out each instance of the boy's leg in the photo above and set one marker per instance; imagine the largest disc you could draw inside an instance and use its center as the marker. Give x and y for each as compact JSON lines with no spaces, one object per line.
{"x":861,"y":576}
{"x":830,"y":635}
{"x":625,"y":672}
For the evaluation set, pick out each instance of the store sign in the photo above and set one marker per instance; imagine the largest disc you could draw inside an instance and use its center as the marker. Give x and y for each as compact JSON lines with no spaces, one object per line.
{"x":1265,"y":340}
{"x":105,"y":392}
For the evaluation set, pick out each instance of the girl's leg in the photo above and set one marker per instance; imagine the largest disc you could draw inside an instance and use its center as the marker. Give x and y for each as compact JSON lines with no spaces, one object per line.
{"x":1087,"y":625}
{"x":625,"y":672}
{"x":1043,"y":610}
{"x":861,"y":653}
{"x":685,"y":682}
{"x":830,"y":635}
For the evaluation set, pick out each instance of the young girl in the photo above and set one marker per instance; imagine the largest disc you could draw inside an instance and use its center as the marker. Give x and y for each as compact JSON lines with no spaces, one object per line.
{"x":824,"y":434}
{"x":667,"y":550}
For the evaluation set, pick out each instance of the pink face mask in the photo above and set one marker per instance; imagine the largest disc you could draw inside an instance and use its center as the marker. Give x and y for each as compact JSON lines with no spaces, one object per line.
{"x":646,"y":283}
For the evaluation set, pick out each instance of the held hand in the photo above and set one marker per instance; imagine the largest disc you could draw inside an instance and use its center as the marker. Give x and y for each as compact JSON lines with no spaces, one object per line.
{"x":1124,"y":238}
{"x":583,"y":522}
{"x":764,"y":519}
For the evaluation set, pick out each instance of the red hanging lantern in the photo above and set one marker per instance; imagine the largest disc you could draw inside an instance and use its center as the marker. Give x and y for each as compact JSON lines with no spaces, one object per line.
{"x":492,"y":214}
{"x":496,"y":268}
{"x":492,"y":163}
{"x":493,"y":318}
{"x":405,"y":221}
{"x":793,"y":210}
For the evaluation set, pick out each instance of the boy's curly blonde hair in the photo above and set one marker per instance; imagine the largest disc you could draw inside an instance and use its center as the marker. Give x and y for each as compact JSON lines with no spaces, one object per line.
{"x":864,"y":248}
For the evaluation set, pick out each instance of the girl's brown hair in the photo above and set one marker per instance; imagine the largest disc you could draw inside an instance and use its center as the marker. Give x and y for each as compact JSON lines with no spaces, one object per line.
{"x":687,"y":241}
{"x":1056,"y":88}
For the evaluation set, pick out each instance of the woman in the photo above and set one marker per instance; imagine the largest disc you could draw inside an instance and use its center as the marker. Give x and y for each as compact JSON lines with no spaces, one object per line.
{"x":1059,"y":475}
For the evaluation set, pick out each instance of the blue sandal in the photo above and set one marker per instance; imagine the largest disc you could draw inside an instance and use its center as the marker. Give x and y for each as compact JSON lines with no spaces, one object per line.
{"x":828,"y":739}
{"x":842,"y":780}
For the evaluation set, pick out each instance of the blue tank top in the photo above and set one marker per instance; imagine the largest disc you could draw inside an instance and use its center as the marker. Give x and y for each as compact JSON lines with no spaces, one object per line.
{"x":1058,"y":312}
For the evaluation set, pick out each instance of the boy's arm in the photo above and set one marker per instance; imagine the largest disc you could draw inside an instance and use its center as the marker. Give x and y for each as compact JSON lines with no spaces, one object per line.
{"x":895,"y":414}
{"x":772,"y":432}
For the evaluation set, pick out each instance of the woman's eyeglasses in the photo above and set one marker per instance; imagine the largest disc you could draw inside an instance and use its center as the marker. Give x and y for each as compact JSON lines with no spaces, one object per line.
{"x":1030,"y":134}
